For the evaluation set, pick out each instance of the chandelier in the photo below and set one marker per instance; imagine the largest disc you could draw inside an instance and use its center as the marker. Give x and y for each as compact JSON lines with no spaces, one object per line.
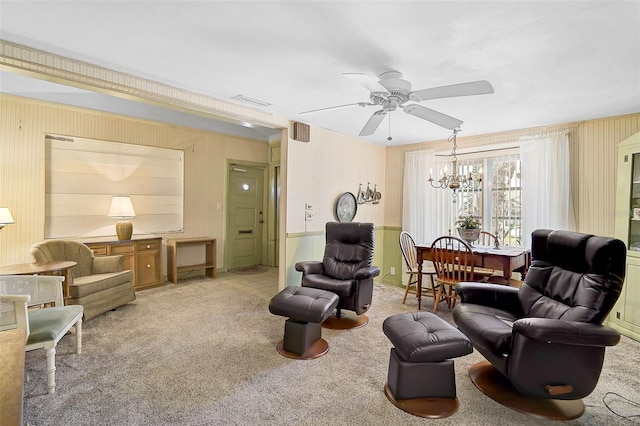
{"x":456,"y":180}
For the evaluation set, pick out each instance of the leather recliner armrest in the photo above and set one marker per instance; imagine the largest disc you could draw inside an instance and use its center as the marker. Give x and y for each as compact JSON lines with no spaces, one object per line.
{"x":367,"y":272}
{"x":107,"y":264}
{"x":491,"y":295}
{"x":310,"y":267}
{"x":566,"y":332}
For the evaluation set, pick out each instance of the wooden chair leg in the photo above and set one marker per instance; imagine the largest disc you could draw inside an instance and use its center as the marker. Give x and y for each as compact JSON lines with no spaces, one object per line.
{"x":438,"y":298}
{"x":406,"y":291}
{"x":433,"y":288}
{"x":454,"y":297}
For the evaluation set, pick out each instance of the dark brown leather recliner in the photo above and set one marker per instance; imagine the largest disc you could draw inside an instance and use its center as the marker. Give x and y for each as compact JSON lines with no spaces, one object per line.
{"x":547,"y":337}
{"x":345,"y":270}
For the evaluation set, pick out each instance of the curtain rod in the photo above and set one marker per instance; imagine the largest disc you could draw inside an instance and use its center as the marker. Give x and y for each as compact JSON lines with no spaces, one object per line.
{"x":478,"y":152}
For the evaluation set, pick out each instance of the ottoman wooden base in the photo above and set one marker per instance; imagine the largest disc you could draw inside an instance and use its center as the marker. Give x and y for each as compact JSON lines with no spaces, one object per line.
{"x":345,"y":322}
{"x":316,"y":350}
{"x":497,"y":387}
{"x":433,"y":408}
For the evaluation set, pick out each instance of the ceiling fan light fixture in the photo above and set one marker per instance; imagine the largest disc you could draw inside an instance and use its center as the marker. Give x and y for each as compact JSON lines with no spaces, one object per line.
{"x":390,"y":91}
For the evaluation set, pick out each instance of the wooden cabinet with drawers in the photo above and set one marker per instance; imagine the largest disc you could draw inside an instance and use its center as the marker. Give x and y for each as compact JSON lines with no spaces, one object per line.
{"x":141,"y":256}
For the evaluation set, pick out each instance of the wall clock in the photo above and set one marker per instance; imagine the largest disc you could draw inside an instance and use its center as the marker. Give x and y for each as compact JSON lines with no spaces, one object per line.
{"x":346,"y":207}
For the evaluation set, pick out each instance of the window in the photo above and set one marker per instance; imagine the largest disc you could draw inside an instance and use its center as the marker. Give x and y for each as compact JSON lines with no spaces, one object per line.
{"x":498,"y":200}
{"x":82,"y":175}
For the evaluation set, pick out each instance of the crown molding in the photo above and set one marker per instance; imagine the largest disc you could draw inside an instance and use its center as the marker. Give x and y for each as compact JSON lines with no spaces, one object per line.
{"x":63,"y":70}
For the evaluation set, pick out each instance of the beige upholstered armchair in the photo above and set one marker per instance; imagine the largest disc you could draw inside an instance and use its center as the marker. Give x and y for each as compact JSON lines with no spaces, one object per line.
{"x":98,"y":283}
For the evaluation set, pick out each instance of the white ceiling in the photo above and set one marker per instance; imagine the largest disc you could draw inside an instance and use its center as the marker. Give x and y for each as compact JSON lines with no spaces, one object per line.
{"x":549,"y":62}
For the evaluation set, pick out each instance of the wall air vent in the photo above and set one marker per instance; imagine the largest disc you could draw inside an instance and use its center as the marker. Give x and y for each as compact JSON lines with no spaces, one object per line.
{"x":301,"y":132}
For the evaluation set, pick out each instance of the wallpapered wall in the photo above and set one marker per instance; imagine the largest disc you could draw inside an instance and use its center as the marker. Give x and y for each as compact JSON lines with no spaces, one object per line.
{"x":593,"y":146}
{"x":316,"y":173}
{"x":22,"y":157}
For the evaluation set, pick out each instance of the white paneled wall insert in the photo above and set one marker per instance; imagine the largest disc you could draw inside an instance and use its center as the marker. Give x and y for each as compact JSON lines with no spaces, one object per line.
{"x":82,"y":175}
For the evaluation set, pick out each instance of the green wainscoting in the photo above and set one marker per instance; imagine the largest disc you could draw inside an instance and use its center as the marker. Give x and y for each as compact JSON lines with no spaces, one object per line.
{"x":310,"y":246}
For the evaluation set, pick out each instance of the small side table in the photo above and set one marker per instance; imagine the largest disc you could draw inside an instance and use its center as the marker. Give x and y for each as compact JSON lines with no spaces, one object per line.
{"x":54,"y":267}
{"x":209,"y":264}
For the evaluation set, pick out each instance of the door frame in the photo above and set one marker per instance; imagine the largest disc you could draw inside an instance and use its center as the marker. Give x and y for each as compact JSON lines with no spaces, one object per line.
{"x":265,"y":203}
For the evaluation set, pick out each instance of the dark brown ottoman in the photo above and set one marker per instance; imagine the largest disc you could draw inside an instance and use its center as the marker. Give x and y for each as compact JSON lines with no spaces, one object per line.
{"x":306,"y":308}
{"x":421,"y":377}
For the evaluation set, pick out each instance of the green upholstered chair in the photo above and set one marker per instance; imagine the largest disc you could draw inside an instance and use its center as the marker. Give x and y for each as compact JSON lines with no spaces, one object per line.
{"x":46,"y":325}
{"x":98,"y":282}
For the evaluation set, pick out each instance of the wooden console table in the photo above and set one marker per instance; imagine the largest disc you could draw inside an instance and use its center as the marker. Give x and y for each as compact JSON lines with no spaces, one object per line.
{"x":209,"y":264}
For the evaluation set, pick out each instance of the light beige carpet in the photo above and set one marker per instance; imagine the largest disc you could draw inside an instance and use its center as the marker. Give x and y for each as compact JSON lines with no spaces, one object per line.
{"x":202,"y":352}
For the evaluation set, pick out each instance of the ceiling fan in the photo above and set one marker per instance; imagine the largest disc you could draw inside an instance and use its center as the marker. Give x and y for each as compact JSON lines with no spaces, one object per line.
{"x":391,"y":91}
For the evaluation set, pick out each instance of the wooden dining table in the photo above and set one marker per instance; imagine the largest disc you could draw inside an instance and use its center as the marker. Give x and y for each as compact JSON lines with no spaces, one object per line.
{"x":506,"y":259}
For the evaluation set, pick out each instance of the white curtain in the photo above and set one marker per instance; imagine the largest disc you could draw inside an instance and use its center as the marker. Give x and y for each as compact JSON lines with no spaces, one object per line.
{"x":425,"y":210}
{"x":546,"y":184}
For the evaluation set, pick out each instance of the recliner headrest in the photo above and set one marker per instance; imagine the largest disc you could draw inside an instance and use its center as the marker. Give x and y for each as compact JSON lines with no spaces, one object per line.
{"x":350,"y":232}
{"x":578,"y":252}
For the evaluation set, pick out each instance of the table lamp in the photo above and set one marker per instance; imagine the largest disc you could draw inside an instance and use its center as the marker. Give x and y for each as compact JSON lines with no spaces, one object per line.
{"x":122,"y":208}
{"x":5,"y":217}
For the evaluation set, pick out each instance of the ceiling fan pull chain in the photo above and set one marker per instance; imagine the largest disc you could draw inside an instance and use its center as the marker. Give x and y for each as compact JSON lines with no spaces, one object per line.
{"x":389,"y":138}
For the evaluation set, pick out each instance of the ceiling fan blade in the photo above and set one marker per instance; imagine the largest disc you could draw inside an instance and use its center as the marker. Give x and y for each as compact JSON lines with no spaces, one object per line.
{"x":366,"y":80}
{"x":435,"y":117}
{"x":362,"y":104}
{"x":373,"y":123}
{"x":482,"y":87}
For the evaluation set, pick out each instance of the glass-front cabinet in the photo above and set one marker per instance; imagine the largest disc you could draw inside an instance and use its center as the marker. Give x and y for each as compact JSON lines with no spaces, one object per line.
{"x":625,"y":316}
{"x":633,"y":237}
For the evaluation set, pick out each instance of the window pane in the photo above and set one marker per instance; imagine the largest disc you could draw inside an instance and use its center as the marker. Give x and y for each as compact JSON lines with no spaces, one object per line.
{"x":505,"y":186}
{"x":470,"y":199}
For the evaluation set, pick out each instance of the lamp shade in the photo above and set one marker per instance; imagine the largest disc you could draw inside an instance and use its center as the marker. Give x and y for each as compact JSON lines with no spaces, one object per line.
{"x":121,"y":207}
{"x":5,"y":217}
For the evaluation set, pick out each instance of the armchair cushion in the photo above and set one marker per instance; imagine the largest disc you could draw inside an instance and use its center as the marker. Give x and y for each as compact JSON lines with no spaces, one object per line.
{"x":341,"y":287}
{"x":105,"y":264}
{"x":83,"y":286}
{"x":349,"y":248}
{"x":492,"y":295}
{"x":47,"y":324}
{"x":487,"y":326}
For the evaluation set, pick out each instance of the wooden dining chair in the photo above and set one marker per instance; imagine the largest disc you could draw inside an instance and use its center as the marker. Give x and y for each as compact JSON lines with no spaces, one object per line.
{"x":454,"y":262}
{"x":409,"y":254}
{"x":487,"y":239}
